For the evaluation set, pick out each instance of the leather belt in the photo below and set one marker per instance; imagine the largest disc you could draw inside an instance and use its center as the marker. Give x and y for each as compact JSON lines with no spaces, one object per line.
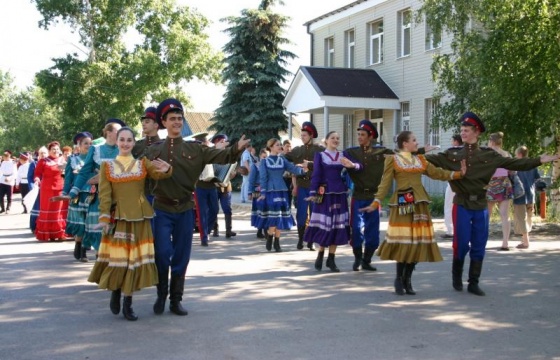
{"x":471,"y":197}
{"x":172,"y":202}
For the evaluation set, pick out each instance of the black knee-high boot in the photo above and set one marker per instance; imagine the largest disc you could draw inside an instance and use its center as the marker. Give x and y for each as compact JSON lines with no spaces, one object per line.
{"x":331,"y":264}
{"x":215,"y":230}
{"x":399,"y":286}
{"x":115,"y":303}
{"x":162,"y":291}
{"x":260,"y":234}
{"x":457,"y":272}
{"x":229,"y":232}
{"x":407,"y":278}
{"x":474,"y":275}
{"x":319,"y":260}
{"x":268,"y":244}
{"x":176,"y":295}
{"x":127,"y":310}
{"x":300,"y":232}
{"x":78,"y":251}
{"x":277,"y":244}
{"x":357,"y":258}
{"x":366,"y":261}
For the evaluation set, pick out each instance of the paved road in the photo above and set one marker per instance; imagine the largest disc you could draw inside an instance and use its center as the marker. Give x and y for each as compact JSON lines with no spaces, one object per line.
{"x":246,"y":303}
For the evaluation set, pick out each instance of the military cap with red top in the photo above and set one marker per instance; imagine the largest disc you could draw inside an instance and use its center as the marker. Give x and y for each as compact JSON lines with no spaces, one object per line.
{"x":24,"y":156}
{"x":166,"y":106}
{"x":115,"y":121}
{"x":80,"y":136}
{"x":471,"y":119}
{"x":310,"y":128}
{"x":150,"y":113}
{"x":218,"y":137}
{"x":368,"y":126}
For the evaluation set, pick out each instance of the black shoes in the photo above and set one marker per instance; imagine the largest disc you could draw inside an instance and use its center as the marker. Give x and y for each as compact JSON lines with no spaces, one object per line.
{"x":319,"y":260}
{"x":331,"y":264}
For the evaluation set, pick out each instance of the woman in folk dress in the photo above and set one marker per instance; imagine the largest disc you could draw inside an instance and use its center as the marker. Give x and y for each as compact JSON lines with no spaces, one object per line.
{"x":126,"y":255}
{"x":410,"y":235}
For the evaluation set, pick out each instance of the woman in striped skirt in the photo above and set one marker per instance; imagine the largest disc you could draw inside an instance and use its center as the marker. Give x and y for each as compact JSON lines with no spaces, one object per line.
{"x":410,"y":235}
{"x":126,"y":255}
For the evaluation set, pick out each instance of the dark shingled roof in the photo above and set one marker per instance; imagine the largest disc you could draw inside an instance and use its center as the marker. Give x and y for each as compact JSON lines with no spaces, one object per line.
{"x":344,"y":82}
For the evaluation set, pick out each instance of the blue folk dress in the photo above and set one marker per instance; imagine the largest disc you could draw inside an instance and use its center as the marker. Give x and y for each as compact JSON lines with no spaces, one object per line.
{"x":97,"y":154}
{"x":276,"y":208}
{"x":77,"y":208}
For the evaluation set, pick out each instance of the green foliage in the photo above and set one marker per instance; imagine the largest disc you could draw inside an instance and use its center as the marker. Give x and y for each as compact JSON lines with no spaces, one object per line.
{"x":503,"y":66}
{"x":115,"y":81}
{"x":437,"y":205}
{"x":25,"y":117}
{"x":254,"y":72}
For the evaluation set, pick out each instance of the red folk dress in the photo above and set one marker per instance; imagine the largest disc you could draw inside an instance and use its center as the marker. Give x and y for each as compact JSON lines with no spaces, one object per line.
{"x":52,"y":215}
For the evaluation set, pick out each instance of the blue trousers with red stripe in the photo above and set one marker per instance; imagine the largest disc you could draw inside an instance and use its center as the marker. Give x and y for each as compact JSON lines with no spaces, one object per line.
{"x":370,"y":223}
{"x":303,"y":208}
{"x":173,"y":234}
{"x":207,"y":211}
{"x":470,"y":233}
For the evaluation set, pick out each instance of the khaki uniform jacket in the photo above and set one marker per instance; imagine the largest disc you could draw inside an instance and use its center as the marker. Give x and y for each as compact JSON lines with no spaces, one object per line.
{"x":125,"y":190}
{"x":188,"y":159}
{"x":367,"y":178}
{"x":482,"y":162}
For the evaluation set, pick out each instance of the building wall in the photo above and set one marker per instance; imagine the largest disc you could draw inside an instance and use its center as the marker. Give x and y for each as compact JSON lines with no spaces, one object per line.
{"x":409,"y":77}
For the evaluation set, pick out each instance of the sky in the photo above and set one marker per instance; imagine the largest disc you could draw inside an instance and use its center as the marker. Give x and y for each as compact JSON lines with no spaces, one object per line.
{"x":32,"y":48}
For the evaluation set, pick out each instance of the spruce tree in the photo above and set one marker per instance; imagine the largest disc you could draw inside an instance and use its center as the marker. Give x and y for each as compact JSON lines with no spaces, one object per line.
{"x":254,"y":71}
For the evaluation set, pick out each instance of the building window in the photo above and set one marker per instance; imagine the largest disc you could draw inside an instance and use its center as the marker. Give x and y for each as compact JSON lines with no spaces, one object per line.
{"x":349,"y":40}
{"x":405,"y":116}
{"x":405,"y":24}
{"x":329,"y":52}
{"x":433,"y":38}
{"x":376,"y":42}
{"x":433,"y":133}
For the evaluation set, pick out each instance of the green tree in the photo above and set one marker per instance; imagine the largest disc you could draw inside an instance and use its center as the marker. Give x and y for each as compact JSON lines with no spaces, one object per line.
{"x":255,"y":69}
{"x":26,"y":119}
{"x":503,"y":66}
{"x":116,"y":80}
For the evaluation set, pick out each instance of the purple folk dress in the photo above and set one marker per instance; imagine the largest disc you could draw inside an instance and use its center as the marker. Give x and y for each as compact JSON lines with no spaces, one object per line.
{"x":330,"y":221}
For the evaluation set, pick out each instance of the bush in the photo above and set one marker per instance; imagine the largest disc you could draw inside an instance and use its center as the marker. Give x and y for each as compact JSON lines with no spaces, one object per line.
{"x":437,"y":205}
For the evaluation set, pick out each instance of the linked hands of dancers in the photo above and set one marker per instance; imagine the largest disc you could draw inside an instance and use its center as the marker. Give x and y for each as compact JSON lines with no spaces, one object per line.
{"x":347,"y":163}
{"x":161,"y":166}
{"x":428,"y":147}
{"x":60,"y":198}
{"x":463,"y":167}
{"x":375,"y":205}
{"x":304,"y":165}
{"x":549,"y":158}
{"x":243,"y":142}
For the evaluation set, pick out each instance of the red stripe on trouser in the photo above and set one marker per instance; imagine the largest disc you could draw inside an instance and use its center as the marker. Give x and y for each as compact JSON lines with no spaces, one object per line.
{"x":198,"y":223}
{"x":455,"y":236}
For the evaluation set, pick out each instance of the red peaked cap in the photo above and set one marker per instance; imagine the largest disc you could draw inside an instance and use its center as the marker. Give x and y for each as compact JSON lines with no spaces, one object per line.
{"x":471,"y":119}
{"x":368,"y":126}
{"x":310,"y":128}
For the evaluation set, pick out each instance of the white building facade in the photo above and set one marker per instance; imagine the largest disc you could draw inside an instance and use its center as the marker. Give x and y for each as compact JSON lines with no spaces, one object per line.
{"x":383,"y":36}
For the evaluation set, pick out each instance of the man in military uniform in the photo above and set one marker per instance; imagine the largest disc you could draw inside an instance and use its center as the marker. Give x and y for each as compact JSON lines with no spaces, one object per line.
{"x":173,"y":203}
{"x":298,"y":155}
{"x":470,"y":209}
{"x":150,"y":129}
{"x":220,"y":141}
{"x":206,"y":201}
{"x":370,"y":160}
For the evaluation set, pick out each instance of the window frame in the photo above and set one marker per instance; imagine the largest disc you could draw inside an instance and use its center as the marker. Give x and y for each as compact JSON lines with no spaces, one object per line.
{"x":373,"y":37}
